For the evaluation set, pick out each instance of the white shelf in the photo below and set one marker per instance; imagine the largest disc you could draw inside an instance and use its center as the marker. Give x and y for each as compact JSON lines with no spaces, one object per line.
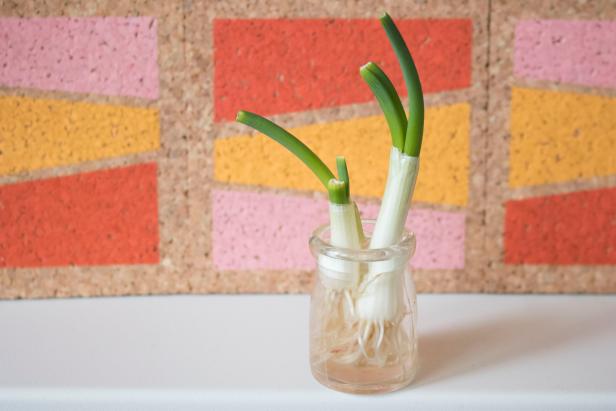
{"x":250,"y":353}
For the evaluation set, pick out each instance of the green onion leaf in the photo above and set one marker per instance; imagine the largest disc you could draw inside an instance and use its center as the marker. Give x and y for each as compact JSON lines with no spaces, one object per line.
{"x":289,"y":141}
{"x":414,"y":131}
{"x":388,"y":99}
{"x":343,"y":173}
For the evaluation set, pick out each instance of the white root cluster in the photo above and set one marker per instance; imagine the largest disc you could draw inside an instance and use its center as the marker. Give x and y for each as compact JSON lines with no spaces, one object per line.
{"x":363,"y":310}
{"x":346,"y":340}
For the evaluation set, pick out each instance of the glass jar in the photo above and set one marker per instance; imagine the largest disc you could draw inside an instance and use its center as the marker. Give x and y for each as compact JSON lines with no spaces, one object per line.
{"x":363,"y":314}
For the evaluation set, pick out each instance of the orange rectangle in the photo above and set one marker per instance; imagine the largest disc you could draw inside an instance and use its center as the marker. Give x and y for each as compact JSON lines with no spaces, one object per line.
{"x":273,"y":66}
{"x":98,"y":218}
{"x":559,"y":136}
{"x":574,"y":228}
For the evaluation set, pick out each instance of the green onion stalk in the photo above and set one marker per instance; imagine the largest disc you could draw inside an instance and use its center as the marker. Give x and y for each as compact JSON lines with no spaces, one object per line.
{"x":345,"y":226}
{"x":379,"y":302}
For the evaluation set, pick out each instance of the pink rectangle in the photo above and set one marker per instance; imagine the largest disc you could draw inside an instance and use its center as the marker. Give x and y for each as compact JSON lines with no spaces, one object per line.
{"x":100,"y":55}
{"x":575,"y":52}
{"x":270,"y":231}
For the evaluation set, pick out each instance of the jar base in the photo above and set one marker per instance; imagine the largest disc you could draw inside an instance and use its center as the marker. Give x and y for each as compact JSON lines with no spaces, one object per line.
{"x":347,"y":379}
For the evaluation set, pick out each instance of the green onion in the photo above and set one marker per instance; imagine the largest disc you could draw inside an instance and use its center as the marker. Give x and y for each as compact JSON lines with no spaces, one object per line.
{"x":414,"y":131}
{"x":379,"y":300}
{"x":388,"y":99}
{"x":338,"y":192}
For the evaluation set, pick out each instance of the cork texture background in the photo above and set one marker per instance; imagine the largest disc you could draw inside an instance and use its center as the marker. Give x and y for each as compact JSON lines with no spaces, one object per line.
{"x":273,"y":196}
{"x":94,"y":159}
{"x":122,"y":171}
{"x":551,"y":191}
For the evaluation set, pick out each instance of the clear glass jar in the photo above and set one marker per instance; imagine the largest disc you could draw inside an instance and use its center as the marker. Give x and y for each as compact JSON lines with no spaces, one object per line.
{"x":363,"y":315}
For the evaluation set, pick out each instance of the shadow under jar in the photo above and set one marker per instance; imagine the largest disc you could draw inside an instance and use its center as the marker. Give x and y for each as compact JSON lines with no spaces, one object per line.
{"x":363,"y":314}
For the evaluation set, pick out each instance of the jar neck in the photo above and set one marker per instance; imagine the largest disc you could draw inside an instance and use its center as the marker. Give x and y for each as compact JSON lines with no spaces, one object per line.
{"x":402,"y":250}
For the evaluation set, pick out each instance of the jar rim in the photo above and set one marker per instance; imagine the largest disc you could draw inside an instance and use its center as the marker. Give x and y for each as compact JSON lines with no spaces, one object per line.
{"x":320,"y":246}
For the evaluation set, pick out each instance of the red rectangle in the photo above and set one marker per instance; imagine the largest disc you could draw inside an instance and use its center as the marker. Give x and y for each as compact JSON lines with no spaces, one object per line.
{"x":98,"y":218}
{"x":278,"y":66}
{"x":577,"y":228}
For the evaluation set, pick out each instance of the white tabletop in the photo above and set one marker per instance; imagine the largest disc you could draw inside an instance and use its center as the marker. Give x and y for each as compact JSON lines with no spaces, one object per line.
{"x":250,"y":352}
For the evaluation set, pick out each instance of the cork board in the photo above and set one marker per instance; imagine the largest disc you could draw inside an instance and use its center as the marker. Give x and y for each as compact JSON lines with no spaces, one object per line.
{"x":551,"y":186}
{"x":298,"y":63}
{"x":122,"y":172}
{"x":93,"y":149}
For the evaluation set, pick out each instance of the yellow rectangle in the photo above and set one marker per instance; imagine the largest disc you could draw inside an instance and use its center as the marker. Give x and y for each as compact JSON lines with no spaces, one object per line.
{"x":365,"y":142}
{"x":558,"y":137}
{"x":44,"y":133}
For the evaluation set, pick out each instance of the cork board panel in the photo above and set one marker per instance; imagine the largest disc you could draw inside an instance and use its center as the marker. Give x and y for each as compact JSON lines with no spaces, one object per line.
{"x":93,"y":152}
{"x":552,"y":153}
{"x":297,"y":62}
